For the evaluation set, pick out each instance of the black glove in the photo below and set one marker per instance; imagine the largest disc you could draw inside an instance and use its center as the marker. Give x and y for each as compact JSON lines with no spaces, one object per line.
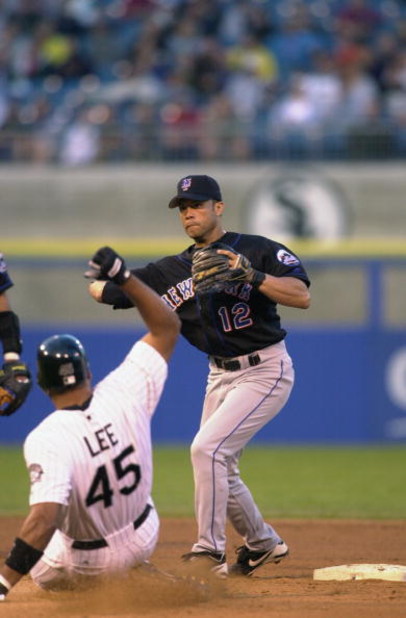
{"x":211,"y":271}
{"x":107,"y":264}
{"x":15,"y":384}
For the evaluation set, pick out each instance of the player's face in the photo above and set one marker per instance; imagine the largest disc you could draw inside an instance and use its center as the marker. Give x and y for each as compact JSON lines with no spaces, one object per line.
{"x":202,"y":220}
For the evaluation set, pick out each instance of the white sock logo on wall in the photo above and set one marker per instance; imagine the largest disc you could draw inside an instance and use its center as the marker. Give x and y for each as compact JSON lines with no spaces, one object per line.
{"x":298,"y":203}
{"x":396,"y":390}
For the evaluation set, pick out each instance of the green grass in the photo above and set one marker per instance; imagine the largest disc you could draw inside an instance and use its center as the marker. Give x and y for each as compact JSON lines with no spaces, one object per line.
{"x":14,"y":484}
{"x":326,"y":482}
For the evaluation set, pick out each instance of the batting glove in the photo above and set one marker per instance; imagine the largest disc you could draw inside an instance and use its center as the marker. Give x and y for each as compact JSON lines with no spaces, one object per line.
{"x":107,"y":264}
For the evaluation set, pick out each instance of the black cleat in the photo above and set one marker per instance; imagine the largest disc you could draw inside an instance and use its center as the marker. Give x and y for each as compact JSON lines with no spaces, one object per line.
{"x":249,"y":560}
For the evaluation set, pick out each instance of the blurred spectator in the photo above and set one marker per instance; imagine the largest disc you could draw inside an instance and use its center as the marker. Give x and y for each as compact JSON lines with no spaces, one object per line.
{"x":359,"y":101}
{"x":233,"y":25}
{"x":139,"y":122}
{"x":322,"y":87}
{"x":183,"y":67}
{"x":294,"y":123}
{"x":246,"y":94}
{"x":180,"y":131}
{"x":296,"y":42}
{"x":250,"y":55}
{"x":358,"y":20}
{"x":38,"y":114}
{"x":208,"y":70}
{"x":221,"y":135}
{"x":383,"y":57}
{"x":59,"y":53}
{"x":184,"y":40}
{"x":395,"y":99}
{"x":81,"y":140}
{"x":252,"y":68}
{"x":104,"y":46}
{"x":357,"y":127}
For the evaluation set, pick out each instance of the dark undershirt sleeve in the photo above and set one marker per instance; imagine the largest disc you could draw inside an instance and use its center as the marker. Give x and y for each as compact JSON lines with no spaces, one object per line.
{"x":113,"y":295}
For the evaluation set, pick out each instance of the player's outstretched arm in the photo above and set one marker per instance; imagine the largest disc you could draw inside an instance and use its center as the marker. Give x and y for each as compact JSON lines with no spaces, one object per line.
{"x":33,"y":537}
{"x":163,"y":323}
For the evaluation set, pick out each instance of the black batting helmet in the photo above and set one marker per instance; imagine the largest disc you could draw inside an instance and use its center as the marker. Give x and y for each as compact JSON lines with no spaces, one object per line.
{"x":61,"y":363}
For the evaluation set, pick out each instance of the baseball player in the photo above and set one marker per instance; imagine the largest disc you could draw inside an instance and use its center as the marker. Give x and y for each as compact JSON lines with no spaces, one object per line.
{"x":225,"y":288}
{"x":15,"y":378}
{"x":90,"y":461}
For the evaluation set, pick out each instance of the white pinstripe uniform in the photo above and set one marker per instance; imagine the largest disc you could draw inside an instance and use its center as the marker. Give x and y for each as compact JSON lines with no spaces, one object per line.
{"x":97,"y":462}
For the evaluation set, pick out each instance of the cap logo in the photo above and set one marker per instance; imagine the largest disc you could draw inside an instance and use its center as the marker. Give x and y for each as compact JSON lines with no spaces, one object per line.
{"x":186,"y":184}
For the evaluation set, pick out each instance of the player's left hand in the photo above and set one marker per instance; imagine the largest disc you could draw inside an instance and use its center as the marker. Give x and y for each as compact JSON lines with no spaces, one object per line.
{"x":217,"y":266}
{"x":107,"y":264}
{"x":15,"y":384}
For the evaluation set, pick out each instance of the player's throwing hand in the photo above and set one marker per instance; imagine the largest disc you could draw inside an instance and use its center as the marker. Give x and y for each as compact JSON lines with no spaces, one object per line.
{"x":107,"y":264}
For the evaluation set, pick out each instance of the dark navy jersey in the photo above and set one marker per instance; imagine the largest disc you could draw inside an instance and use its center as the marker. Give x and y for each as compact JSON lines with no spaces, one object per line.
{"x":239,"y":320}
{"x":5,"y":281}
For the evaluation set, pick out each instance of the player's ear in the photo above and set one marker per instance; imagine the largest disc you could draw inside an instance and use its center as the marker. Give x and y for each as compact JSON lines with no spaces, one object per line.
{"x":219,"y":208}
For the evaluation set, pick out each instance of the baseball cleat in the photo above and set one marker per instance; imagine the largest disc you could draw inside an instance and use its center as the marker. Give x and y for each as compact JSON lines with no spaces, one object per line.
{"x":249,"y":560}
{"x":215,"y":562}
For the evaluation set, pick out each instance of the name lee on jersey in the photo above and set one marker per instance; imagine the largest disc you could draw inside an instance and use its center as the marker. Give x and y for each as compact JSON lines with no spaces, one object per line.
{"x":104,"y":439}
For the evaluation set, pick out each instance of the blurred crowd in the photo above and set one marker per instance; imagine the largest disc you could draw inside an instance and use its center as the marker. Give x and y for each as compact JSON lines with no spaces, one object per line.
{"x":83,"y":81}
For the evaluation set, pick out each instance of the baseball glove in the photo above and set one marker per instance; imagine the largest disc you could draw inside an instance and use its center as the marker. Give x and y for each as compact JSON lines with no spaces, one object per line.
{"x":15,"y":384}
{"x":211,"y":271}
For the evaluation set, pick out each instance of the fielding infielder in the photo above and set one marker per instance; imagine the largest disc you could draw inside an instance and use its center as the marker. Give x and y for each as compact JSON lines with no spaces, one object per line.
{"x":251,"y":374}
{"x":90,"y":461}
{"x":15,"y":378}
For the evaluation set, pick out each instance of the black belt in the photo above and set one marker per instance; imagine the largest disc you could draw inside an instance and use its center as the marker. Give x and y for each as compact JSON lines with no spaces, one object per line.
{"x":234,"y":364}
{"x":99,"y":543}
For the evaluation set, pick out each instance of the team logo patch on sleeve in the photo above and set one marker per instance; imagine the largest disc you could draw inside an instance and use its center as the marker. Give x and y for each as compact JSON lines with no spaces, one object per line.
{"x":35,"y":472}
{"x":287,"y":258}
{"x":3,"y":266}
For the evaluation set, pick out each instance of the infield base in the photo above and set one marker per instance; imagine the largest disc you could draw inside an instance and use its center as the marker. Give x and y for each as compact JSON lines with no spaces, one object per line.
{"x":344,"y":572}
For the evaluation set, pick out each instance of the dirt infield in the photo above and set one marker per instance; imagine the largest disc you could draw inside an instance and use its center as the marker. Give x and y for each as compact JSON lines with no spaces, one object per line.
{"x":286,"y":590}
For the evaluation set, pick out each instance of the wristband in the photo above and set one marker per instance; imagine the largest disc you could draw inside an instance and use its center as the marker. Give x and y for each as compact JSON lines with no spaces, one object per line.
{"x":257,"y":278}
{"x":23,"y":557}
{"x":10,"y":332}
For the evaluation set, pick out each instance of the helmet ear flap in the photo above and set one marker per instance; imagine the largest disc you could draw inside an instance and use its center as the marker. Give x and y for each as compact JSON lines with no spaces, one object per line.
{"x":61,"y":363}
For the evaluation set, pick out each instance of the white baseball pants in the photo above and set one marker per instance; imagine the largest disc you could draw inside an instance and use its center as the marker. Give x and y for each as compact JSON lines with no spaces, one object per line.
{"x":237,"y":405}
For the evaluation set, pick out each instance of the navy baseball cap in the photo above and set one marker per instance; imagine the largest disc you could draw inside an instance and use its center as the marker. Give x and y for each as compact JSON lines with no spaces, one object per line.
{"x":199,"y":188}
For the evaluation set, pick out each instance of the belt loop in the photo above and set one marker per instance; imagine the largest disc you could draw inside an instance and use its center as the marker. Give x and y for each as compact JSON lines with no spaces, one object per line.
{"x":254,"y":360}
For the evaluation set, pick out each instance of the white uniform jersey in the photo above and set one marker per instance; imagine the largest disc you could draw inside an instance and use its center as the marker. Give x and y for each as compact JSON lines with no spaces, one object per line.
{"x":98,"y":461}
